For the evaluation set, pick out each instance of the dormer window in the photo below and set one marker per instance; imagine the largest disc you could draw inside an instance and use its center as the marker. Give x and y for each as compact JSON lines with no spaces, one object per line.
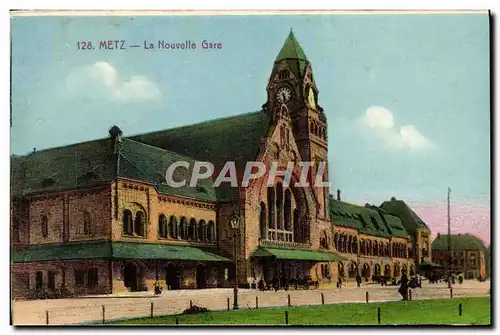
{"x":48,"y":182}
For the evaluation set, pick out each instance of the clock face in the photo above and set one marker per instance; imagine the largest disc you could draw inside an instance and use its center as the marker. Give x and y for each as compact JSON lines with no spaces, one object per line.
{"x":283,"y":95}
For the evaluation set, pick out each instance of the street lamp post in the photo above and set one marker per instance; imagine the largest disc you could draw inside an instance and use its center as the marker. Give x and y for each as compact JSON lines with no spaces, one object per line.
{"x":235,"y":224}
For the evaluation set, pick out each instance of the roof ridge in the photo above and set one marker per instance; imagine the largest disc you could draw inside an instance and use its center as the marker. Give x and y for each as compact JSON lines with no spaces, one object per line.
{"x":223,"y":118}
{"x":165,"y":151}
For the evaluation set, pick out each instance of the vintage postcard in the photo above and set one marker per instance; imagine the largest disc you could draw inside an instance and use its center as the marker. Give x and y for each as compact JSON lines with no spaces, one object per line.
{"x":250,"y":168}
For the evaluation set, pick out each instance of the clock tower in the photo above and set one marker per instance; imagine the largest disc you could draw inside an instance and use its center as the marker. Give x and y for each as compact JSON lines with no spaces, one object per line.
{"x":292,"y":84}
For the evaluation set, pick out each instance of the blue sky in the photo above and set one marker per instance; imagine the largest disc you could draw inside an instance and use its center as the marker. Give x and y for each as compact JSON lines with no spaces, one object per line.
{"x":406,"y":96}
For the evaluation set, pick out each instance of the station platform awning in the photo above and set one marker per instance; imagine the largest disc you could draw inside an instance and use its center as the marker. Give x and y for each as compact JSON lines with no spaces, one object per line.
{"x":297,"y":254}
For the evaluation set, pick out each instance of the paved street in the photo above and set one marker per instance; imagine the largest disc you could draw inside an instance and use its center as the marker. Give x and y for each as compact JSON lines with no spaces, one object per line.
{"x":80,"y":310}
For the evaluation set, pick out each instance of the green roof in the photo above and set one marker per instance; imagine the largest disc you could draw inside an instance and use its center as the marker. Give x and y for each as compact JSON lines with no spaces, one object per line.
{"x":410,"y":219}
{"x":291,"y":49}
{"x":94,"y":163}
{"x":429,"y":263}
{"x":458,"y":242}
{"x":366,"y":219}
{"x":297,"y":254}
{"x":236,"y":138}
{"x":112,"y":250}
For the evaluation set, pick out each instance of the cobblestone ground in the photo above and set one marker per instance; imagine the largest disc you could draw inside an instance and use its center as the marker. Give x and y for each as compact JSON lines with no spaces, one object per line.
{"x":81,"y":310}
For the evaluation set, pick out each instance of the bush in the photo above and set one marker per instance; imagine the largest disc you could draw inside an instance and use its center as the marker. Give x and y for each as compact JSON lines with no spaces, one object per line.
{"x":195,"y":309}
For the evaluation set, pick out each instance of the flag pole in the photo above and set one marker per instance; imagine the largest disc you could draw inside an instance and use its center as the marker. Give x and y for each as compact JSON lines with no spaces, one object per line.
{"x":449,"y":240}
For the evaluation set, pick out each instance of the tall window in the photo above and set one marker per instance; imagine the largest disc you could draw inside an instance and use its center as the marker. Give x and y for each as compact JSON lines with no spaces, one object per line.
{"x":182,"y":228}
{"x":192,"y":229}
{"x":172,"y":227}
{"x":288,"y":210}
{"x":92,"y":278}
{"x":162,"y":225}
{"x":87,"y":229}
{"x":139,"y":223}
{"x":79,"y":278}
{"x":39,"y":280}
{"x":45,"y":226}
{"x":262,"y":220}
{"x":279,"y":205}
{"x":16,"y":236}
{"x":211,"y":231}
{"x":127,"y":222}
{"x":202,"y":230}
{"x":51,"y":283}
{"x":270,"y":203}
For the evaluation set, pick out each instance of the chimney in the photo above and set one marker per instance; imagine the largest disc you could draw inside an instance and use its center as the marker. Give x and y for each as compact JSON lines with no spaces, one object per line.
{"x":338,"y":194}
{"x":393,"y":199}
{"x":115,"y":133}
{"x":34,"y":150}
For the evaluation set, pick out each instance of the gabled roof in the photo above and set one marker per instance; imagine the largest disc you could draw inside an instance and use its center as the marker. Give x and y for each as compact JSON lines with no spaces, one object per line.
{"x":291,"y":49}
{"x":236,"y":138}
{"x":94,"y":163}
{"x":366,"y":219}
{"x":409,"y":218}
{"x":460,"y":242}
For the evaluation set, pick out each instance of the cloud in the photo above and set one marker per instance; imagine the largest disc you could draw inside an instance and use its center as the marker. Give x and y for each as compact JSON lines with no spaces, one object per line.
{"x":381,"y":122}
{"x":102,"y":81}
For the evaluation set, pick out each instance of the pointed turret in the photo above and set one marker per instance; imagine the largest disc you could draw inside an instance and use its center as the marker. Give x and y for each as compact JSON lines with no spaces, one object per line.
{"x":291,"y":49}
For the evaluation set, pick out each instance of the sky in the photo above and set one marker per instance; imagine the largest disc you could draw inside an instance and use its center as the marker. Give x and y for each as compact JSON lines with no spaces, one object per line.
{"x":407,"y":97}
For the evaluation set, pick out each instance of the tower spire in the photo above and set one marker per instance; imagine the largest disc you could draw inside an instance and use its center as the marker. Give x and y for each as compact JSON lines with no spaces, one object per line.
{"x":291,"y":49}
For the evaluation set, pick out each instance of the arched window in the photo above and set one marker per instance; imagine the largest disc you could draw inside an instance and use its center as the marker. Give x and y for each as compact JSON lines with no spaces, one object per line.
{"x":16,"y":236}
{"x":288,"y":210}
{"x":162,"y":231}
{"x":362,"y":246}
{"x":349,"y":245}
{"x":355,"y":245}
{"x":45,"y":226}
{"x":127,"y":220}
{"x":323,"y":240}
{"x":297,"y":232}
{"x":183,"y":228}
{"x":283,"y":74}
{"x":262,"y":220}
{"x":340,"y":267}
{"x":211,"y":231}
{"x":353,"y":270}
{"x":202,"y":230}
{"x":387,"y":270}
{"x":366,"y":271}
{"x":397,"y":270}
{"x":377,"y":270}
{"x":270,"y":204}
{"x":172,"y":227}
{"x":279,"y":205}
{"x":139,"y":223}
{"x":375,"y":248}
{"x":87,"y":229}
{"x":192,"y":229}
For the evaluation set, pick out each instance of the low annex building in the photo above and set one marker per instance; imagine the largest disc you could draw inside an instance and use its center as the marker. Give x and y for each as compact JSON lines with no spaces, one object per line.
{"x":468,"y":255}
{"x":98,"y":216}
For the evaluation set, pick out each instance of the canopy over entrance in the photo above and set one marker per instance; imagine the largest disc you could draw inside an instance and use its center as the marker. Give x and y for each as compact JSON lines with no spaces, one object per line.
{"x":297,"y":254}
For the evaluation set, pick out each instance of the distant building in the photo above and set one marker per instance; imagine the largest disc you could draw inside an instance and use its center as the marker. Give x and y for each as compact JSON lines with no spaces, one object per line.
{"x":388,"y":240}
{"x":468,"y":255}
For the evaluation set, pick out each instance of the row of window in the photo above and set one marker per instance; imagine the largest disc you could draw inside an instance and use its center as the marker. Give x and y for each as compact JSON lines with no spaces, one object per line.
{"x":317,"y":129}
{"x":89,"y":277}
{"x":349,"y":244}
{"x":170,"y":228}
{"x":86,"y":228}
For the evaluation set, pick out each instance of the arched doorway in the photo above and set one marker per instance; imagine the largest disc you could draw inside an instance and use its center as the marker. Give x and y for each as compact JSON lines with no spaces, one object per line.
{"x":201,"y":276}
{"x":353,"y":270}
{"x":130,"y":279}
{"x":387,"y":270}
{"x":377,"y":270}
{"x":366,"y":271}
{"x":172,"y":277}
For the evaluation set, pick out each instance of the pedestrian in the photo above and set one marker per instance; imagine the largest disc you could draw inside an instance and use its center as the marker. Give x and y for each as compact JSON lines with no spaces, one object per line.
{"x":358,"y":280}
{"x":403,"y":289}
